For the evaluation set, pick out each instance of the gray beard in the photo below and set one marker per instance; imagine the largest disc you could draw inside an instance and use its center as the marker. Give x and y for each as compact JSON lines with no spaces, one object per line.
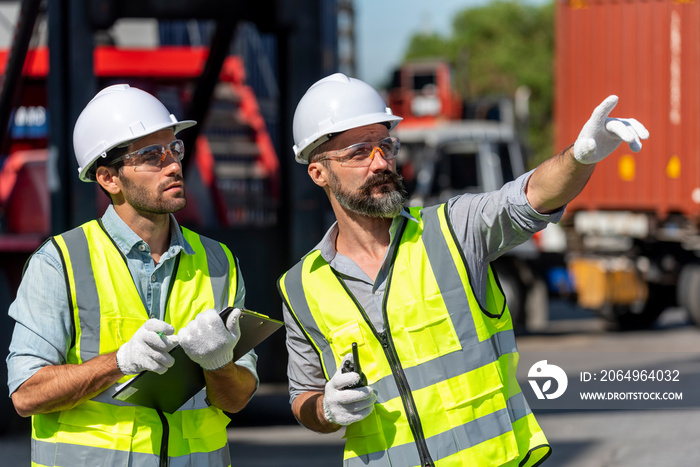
{"x":387,"y":205}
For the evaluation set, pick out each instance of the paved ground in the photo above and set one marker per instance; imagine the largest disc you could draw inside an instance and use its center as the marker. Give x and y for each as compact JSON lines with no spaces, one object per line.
{"x":625,"y":438}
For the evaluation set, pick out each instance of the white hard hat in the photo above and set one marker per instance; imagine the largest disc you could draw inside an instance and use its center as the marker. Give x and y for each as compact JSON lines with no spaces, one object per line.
{"x":334,"y":104}
{"x":117,"y":116}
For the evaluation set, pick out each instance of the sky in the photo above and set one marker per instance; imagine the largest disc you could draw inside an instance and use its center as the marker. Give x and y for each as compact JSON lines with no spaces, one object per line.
{"x":383,"y":29}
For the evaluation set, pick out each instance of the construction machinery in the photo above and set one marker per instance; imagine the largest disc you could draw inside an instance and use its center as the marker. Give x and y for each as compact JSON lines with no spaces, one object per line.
{"x":238,"y":68}
{"x":236,"y":183}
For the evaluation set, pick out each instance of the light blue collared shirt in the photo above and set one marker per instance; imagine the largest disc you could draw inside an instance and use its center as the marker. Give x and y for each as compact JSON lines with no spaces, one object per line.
{"x":43,"y":318}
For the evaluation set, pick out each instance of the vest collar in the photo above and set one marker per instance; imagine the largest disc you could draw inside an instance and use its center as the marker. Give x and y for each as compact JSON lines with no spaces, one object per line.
{"x":126,"y":239}
{"x":327,"y":243}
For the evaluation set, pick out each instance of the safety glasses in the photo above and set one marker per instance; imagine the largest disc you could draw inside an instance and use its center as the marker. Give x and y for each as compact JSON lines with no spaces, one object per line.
{"x":153,"y":158}
{"x":362,"y":154}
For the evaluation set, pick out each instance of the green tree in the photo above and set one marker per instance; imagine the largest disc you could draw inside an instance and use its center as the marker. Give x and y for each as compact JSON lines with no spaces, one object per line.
{"x":496,"y":48}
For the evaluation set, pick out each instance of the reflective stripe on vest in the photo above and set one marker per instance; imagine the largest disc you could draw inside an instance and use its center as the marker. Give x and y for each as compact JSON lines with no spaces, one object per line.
{"x":107,"y":311}
{"x":457,"y":357}
{"x":44,"y":455}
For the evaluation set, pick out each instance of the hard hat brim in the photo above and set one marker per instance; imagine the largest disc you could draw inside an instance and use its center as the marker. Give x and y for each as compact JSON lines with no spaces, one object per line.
{"x":302,"y":152}
{"x":84,"y":172}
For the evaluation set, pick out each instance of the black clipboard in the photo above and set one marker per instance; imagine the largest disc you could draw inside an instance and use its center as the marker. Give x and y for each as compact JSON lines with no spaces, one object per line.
{"x":167,"y":392}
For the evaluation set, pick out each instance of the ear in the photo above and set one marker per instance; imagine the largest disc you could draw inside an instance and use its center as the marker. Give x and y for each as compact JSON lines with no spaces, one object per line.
{"x":108,"y":178}
{"x":318,"y":173}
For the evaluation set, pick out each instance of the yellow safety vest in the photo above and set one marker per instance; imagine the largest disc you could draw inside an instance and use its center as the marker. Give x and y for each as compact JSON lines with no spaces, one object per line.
{"x":444,"y":367}
{"x":107,"y":311}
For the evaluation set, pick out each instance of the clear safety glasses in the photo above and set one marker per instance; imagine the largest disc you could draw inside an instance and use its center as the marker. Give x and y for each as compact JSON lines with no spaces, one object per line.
{"x":362,"y":154}
{"x":153,"y":158}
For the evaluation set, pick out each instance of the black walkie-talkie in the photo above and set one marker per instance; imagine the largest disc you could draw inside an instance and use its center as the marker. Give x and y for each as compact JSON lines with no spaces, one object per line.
{"x":349,"y":366}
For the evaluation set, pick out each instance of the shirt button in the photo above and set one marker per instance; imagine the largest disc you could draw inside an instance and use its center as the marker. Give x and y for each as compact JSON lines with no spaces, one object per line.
{"x":378,"y":293}
{"x":153,"y":278}
{"x":142,"y":247}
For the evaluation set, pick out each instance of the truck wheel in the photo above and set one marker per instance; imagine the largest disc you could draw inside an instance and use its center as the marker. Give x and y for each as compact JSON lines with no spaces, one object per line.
{"x":643,"y":314}
{"x":536,"y":305}
{"x":688,"y":292}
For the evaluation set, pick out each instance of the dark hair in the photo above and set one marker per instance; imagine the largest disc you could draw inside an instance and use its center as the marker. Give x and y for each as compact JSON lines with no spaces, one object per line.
{"x":107,"y":161}
{"x":320,"y":149}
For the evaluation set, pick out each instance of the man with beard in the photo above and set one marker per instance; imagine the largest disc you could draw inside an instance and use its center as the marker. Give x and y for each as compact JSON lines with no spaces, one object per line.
{"x":110,"y":299}
{"x":412,"y":288}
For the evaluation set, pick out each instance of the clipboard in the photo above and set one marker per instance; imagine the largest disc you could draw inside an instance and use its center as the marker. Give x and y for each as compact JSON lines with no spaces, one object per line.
{"x":167,"y":392}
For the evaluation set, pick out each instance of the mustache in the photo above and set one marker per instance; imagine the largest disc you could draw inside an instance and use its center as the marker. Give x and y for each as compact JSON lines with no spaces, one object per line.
{"x":382,"y":178}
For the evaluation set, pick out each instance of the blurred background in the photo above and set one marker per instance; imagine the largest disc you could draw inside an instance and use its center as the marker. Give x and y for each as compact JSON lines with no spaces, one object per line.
{"x":488,"y":90}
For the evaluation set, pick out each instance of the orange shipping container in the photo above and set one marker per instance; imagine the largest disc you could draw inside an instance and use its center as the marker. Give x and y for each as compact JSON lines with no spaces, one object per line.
{"x":648,"y":53}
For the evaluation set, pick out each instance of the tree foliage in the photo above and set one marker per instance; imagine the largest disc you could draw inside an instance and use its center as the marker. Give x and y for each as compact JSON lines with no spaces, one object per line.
{"x":496,"y":48}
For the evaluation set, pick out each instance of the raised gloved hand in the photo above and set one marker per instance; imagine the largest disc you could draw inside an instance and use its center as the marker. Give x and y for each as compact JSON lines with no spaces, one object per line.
{"x":345,"y":406}
{"x":147,"y":349}
{"x":601,"y":134}
{"x":210,"y":342}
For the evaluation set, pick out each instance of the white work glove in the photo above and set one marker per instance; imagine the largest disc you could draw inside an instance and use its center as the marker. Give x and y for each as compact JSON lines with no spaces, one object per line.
{"x":601,"y":135}
{"x":210,"y":342}
{"x":345,"y":406}
{"x":147,"y":349}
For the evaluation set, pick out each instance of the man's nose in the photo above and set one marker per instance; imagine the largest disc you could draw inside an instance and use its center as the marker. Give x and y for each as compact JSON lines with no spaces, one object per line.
{"x":170,"y":163}
{"x":378,"y":162}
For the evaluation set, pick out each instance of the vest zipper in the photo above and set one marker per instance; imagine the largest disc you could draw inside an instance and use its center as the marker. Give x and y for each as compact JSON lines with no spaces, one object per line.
{"x":409,"y":403}
{"x":384,"y":337}
{"x":392,"y":357}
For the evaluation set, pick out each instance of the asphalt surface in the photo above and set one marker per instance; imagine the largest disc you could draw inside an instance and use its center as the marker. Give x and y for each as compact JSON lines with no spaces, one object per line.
{"x":619,"y":437}
{"x":265,"y":434}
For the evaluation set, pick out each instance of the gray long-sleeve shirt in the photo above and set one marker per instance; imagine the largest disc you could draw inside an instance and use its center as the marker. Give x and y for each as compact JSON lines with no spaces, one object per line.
{"x":486,"y":225}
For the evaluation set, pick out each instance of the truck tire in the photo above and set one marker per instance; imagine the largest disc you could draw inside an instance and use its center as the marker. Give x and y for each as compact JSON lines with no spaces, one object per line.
{"x":688,"y":292}
{"x":643,"y":314}
{"x":536,"y":305}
